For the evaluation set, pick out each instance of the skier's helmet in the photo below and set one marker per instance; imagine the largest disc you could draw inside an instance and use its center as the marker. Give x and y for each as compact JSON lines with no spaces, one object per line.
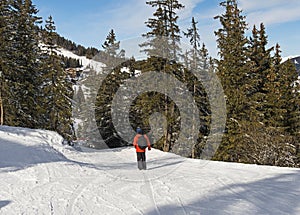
{"x":139,"y":130}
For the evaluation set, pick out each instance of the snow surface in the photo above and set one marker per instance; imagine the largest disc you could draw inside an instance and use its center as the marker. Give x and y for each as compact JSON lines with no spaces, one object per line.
{"x":39,"y":175}
{"x":289,"y":57}
{"x":83,"y":60}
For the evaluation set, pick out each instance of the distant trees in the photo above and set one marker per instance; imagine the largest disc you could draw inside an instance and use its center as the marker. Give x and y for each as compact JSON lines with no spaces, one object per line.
{"x":80,"y":50}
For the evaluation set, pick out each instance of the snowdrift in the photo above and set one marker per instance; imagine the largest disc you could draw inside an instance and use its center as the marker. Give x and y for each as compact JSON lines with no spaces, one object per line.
{"x":39,"y":175}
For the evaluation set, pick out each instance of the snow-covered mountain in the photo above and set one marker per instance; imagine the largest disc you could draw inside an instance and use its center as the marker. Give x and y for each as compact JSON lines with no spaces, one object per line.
{"x":289,"y":57}
{"x":295,"y":60}
{"x":39,"y":175}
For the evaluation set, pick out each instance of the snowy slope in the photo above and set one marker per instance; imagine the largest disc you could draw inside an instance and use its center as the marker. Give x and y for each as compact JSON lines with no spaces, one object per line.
{"x":38,"y":175}
{"x":85,"y":61}
{"x":289,"y":57}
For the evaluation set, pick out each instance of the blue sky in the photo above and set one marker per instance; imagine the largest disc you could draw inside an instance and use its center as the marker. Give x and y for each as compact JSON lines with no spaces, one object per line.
{"x":87,"y":22}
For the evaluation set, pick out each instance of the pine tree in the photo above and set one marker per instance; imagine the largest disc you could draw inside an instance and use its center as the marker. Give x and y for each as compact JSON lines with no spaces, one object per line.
{"x":101,"y":106}
{"x":57,"y":93}
{"x":194,"y":36}
{"x":22,"y":78}
{"x":197,"y":61}
{"x":232,"y":70}
{"x":290,"y":94}
{"x":272,"y":104}
{"x":174,"y":31}
{"x":164,"y":37}
{"x":156,"y":44}
{"x":5,"y":23}
{"x":111,"y":45}
{"x":113,"y":57}
{"x":260,"y":64}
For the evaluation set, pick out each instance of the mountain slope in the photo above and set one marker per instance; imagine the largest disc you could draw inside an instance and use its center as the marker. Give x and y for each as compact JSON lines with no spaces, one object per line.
{"x":295,"y":60}
{"x":38,"y":175}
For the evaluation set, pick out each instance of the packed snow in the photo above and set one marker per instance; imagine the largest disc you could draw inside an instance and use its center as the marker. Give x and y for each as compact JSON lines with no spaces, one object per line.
{"x":39,"y":175}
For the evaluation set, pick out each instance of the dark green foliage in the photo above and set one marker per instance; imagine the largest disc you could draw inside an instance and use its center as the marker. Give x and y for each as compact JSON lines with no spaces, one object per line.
{"x":21,"y":67}
{"x":149,"y":103}
{"x":112,"y":58}
{"x":69,"y":62}
{"x":232,"y":70}
{"x":5,"y":28}
{"x":164,"y":37}
{"x":262,"y":92}
{"x":262,"y":96}
{"x":79,"y":50}
{"x":56,"y":90}
{"x":196,"y":61}
{"x":35,"y":92}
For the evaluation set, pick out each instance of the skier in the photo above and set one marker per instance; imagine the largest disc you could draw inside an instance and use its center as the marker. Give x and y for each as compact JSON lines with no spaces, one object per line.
{"x":141,"y":142}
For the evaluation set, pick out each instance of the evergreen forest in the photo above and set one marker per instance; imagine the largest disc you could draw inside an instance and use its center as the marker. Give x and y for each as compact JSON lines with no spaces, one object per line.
{"x":261,"y":93}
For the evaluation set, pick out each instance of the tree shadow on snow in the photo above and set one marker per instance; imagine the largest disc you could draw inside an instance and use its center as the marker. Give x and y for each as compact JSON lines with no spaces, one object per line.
{"x":163,"y":163}
{"x":14,"y":157}
{"x":276,"y":195}
{"x":4,"y":203}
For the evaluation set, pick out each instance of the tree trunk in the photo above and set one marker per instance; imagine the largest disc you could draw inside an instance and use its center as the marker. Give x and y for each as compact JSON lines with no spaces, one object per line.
{"x":166,"y":146}
{"x":1,"y":111}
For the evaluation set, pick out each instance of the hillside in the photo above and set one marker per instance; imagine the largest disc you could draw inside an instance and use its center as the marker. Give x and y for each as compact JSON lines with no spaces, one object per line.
{"x":38,"y":175}
{"x":296,"y":61}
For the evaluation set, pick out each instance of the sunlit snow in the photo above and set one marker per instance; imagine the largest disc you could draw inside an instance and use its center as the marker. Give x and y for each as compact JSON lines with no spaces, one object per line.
{"x":39,"y":175}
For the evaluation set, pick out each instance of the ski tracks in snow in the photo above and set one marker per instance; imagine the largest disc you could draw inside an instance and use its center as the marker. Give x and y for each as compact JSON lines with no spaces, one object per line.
{"x":150,"y":191}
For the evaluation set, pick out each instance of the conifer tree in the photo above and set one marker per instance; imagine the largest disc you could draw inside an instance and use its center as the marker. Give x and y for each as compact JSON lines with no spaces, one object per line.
{"x":174,"y":31}
{"x":113,"y":56}
{"x":198,"y":62}
{"x":164,"y":37}
{"x":111,"y":45}
{"x":57,"y":93}
{"x":260,"y":64}
{"x":290,"y":88}
{"x":23,"y":75}
{"x":5,"y":23}
{"x":162,"y":47}
{"x":272,"y":104}
{"x":194,"y":36}
{"x":232,"y":70}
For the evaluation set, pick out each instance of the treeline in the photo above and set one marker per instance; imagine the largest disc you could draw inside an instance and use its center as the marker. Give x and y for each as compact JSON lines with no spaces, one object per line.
{"x":261,"y":93}
{"x":79,"y":50}
{"x":67,"y":44}
{"x":69,"y":62}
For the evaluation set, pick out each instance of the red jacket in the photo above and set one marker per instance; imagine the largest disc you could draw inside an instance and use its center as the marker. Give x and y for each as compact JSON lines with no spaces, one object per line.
{"x":135,"y":143}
